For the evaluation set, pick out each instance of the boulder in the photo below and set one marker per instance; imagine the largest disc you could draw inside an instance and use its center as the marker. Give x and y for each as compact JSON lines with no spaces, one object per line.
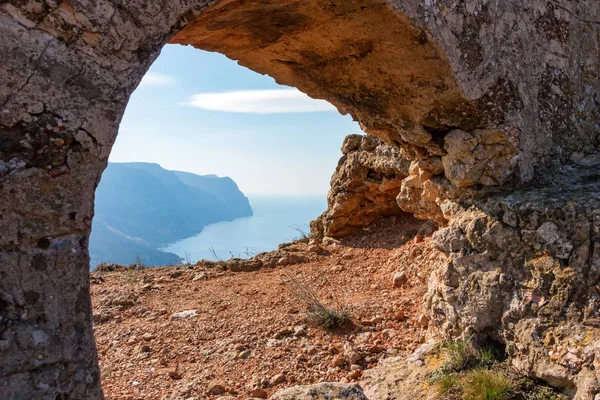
{"x":363,"y":187}
{"x":322,"y":391}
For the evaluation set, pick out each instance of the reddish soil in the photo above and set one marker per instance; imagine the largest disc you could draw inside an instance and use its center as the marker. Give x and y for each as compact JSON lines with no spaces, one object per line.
{"x":251,"y":336}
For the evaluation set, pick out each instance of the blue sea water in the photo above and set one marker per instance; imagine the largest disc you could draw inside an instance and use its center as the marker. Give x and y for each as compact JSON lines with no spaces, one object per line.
{"x":275,"y":221}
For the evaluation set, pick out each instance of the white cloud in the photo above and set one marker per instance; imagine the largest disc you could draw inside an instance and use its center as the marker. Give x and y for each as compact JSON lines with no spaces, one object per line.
{"x":157,"y":79}
{"x":259,"y":102}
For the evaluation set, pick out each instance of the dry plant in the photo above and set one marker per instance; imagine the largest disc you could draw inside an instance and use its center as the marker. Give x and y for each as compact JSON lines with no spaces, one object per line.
{"x":317,"y":312}
{"x":213,"y":252}
{"x":303,"y":232}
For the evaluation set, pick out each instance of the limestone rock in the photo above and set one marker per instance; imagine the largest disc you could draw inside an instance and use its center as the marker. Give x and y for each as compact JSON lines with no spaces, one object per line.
{"x":399,"y":279}
{"x":529,"y":277}
{"x":363,"y":188}
{"x":423,"y":198}
{"x":322,"y":391}
{"x":353,"y":357}
{"x":451,"y":240}
{"x":243,"y":265}
{"x":486,"y":157}
{"x":216,"y":389}
{"x":187,"y":314}
{"x":398,"y":378}
{"x":258,"y":394}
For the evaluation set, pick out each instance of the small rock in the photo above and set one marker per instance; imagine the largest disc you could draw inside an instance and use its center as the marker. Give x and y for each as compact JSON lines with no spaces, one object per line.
{"x":337,"y":361}
{"x":175,"y":274}
{"x":353,"y":357}
{"x":399,"y":279}
{"x":325,"y":390}
{"x":216,"y":389}
{"x":58,"y":142}
{"x":388,"y":333}
{"x":290,"y":259}
{"x":278,"y":379}
{"x":315,"y":248}
{"x":399,"y":316}
{"x":328,"y":241}
{"x":148,"y":336}
{"x":199,"y":276}
{"x":355,"y":374}
{"x":300,"y":330}
{"x":376,"y":349}
{"x":355,"y":367}
{"x":175,"y":374}
{"x":241,"y":265}
{"x":423,"y":350}
{"x":186,"y":314}
{"x":147,"y":287}
{"x":423,"y":321}
{"x":392,"y":352}
{"x":283,"y":333}
{"x":258,"y":394}
{"x":244,"y":354}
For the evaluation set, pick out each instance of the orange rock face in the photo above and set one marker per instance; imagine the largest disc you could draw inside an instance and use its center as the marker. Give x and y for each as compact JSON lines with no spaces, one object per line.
{"x":363,"y":188}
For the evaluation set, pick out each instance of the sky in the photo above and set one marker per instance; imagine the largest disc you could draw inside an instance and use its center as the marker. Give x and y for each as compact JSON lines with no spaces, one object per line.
{"x":201,"y":112}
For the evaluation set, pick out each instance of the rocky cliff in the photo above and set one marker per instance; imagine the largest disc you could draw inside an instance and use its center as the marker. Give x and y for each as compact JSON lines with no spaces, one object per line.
{"x":494,"y":103}
{"x":142,"y":207}
{"x":363,"y":188}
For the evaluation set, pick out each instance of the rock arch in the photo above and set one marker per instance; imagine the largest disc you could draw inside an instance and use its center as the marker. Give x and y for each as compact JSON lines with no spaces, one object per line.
{"x":517,"y":82}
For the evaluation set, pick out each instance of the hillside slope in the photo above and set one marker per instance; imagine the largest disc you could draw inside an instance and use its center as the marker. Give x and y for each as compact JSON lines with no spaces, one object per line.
{"x":142,"y":207}
{"x":248,"y":332}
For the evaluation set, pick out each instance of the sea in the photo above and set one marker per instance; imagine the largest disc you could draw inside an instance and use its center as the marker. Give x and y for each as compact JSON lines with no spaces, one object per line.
{"x":276,"y":219}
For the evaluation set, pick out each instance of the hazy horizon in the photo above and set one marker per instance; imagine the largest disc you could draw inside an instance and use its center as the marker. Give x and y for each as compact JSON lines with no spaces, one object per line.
{"x":200,"y":112}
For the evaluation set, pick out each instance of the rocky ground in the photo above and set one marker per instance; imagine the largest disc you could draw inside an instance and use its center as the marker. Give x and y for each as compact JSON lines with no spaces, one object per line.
{"x":203,"y":331}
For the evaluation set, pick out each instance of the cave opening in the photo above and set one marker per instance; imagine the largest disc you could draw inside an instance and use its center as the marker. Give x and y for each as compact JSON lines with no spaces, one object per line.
{"x":213,"y":161}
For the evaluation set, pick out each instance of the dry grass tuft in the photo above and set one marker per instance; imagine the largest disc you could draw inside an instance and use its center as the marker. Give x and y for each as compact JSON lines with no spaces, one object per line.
{"x":317,"y":312}
{"x":486,"y":385}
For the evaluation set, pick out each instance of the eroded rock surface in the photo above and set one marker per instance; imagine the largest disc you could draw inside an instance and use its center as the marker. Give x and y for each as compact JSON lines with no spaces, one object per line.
{"x":363,"y":188}
{"x":324,"y":391}
{"x":524,"y":269}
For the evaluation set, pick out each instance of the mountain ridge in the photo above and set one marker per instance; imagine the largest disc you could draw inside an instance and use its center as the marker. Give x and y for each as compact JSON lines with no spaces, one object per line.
{"x":142,"y":207}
